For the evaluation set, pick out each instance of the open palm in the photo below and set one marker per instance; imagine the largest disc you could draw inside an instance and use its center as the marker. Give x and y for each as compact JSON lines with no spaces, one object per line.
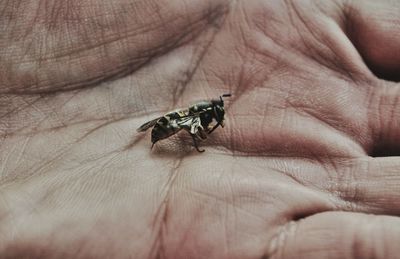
{"x":294,"y":173}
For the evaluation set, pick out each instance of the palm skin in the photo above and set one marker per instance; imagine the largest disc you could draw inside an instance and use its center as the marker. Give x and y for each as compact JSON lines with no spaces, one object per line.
{"x":290,"y":175}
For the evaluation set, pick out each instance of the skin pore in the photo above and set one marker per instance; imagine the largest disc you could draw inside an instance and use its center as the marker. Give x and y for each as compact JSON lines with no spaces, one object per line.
{"x":305,"y":167}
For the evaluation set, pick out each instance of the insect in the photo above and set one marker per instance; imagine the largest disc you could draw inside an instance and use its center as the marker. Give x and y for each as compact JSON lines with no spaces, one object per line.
{"x":198,"y":120}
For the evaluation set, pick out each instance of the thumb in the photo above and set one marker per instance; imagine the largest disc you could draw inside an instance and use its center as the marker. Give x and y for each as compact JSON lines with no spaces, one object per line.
{"x":339,"y":235}
{"x":374,"y":28}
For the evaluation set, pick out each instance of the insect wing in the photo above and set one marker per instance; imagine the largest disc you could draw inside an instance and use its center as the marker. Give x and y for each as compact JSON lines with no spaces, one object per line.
{"x":148,"y":125}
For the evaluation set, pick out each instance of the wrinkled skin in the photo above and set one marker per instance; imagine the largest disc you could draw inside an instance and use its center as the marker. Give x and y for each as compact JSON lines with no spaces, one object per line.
{"x":306,"y":166}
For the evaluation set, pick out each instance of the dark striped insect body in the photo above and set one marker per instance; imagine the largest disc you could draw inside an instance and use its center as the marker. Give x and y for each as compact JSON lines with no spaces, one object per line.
{"x":198,"y":120}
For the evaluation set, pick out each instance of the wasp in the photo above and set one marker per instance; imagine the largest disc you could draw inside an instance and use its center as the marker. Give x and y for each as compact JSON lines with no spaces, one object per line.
{"x":198,"y":120}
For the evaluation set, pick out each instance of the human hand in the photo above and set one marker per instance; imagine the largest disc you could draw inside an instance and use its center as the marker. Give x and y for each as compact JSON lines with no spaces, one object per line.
{"x":297,"y":171}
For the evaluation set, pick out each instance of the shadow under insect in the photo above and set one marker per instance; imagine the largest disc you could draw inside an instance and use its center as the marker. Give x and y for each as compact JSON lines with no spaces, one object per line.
{"x":199,"y":120}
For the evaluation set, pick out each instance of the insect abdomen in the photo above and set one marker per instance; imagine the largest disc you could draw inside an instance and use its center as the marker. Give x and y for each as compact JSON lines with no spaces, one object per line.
{"x":163,"y":129}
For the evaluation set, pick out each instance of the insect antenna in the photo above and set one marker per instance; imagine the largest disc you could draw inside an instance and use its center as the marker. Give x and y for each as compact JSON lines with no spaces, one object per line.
{"x":224,"y":95}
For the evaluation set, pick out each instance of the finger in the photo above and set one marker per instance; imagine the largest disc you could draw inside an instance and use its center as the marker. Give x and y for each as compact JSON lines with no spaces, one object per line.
{"x":384,"y":112}
{"x":339,"y":235}
{"x":374,"y":27}
{"x":370,"y":185}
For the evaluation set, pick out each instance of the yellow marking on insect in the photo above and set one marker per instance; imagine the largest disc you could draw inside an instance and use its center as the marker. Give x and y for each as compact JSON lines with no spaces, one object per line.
{"x":181,"y":113}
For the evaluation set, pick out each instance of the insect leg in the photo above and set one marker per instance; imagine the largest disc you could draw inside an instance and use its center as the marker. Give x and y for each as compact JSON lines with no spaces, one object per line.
{"x":216,"y":126}
{"x":201,"y":134}
{"x":195,"y":143}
